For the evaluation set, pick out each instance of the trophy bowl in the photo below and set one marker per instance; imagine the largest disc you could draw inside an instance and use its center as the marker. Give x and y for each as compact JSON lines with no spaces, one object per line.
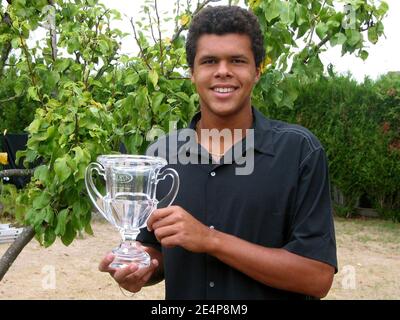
{"x":131,"y":185}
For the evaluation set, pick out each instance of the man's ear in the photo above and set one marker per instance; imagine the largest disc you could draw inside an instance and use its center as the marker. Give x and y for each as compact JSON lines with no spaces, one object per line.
{"x":191,"y":75}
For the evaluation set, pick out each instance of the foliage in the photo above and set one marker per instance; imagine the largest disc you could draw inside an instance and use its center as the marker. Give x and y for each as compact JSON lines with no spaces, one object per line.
{"x":297,"y":31}
{"x":89,"y":98}
{"x":356,"y":125}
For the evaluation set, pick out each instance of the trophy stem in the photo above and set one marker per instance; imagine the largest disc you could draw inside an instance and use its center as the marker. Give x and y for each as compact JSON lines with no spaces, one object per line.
{"x":130,"y":251}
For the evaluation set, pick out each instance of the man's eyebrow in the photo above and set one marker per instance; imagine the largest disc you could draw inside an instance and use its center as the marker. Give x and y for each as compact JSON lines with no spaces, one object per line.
{"x":236,"y":56}
{"x":207,"y":57}
{"x":239,"y":56}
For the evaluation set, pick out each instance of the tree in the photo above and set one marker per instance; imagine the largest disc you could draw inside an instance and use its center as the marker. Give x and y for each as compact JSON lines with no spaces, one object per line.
{"x":89,"y":98}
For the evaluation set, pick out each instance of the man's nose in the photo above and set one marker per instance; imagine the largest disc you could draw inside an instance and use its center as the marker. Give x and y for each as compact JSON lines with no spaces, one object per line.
{"x":223,"y":69}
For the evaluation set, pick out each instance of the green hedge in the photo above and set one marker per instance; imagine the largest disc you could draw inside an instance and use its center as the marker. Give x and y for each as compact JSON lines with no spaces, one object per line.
{"x":358,"y":124}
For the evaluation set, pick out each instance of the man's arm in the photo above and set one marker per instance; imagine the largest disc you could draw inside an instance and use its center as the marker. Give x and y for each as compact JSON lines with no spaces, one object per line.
{"x":274,"y":267}
{"x":279,"y":268}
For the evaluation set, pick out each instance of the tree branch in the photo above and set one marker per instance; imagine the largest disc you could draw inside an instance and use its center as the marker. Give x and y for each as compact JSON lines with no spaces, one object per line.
{"x":16,"y":172}
{"x":159,"y":38}
{"x":15,"y":249}
{"x":53,"y":32}
{"x":7,"y":45}
{"x":139,"y":45}
{"x":199,"y":7}
{"x":319,"y":46}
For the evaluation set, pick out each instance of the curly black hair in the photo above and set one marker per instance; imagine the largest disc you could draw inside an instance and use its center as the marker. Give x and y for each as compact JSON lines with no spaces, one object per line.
{"x":221,"y":20}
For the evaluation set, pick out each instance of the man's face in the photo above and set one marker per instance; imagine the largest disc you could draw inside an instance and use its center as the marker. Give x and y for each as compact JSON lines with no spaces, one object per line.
{"x":224,"y":73}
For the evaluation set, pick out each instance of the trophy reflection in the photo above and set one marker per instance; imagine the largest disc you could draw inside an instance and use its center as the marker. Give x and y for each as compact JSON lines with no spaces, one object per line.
{"x":131,"y":184}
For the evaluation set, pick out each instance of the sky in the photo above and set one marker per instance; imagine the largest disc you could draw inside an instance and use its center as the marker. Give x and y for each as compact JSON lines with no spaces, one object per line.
{"x":383,"y":57}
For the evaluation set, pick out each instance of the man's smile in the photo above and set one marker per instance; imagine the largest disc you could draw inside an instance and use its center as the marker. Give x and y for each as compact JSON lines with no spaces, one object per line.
{"x":224,"y":89}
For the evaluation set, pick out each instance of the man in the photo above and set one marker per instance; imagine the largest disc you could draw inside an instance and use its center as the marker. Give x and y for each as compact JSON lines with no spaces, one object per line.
{"x":267,"y":234}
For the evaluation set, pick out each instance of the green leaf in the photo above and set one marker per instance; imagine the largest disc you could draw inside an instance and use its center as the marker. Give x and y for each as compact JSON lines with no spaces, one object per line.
{"x":373,"y":35}
{"x":35,"y":126}
{"x":104,"y":48}
{"x":61,"y":64}
{"x":19,"y":87}
{"x":183,"y":96}
{"x":338,"y":38}
{"x":353,"y":37}
{"x":49,"y":237}
{"x":364,"y":54}
{"x":49,"y":215}
{"x":62,"y":217}
{"x":131,"y":79}
{"x":301,"y":14}
{"x":42,"y":173}
{"x":321,"y":30}
{"x":63,"y":171}
{"x":383,"y":8}
{"x":287,"y":13}
{"x":69,"y":235}
{"x":52,"y":79}
{"x":88,"y":229}
{"x":41,"y":201}
{"x":153,"y":76}
{"x":156,"y":101}
{"x":33,"y":94}
{"x":15,"y":43}
{"x":272,"y":10}
{"x":277,"y":96}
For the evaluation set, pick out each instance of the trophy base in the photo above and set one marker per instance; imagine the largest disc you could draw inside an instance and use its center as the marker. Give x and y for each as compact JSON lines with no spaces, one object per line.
{"x":129,"y":253}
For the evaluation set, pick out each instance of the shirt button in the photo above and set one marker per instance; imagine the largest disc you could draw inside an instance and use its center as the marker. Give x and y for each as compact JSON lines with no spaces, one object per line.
{"x":212,"y":174}
{"x":211,"y":227}
{"x":212,"y":284}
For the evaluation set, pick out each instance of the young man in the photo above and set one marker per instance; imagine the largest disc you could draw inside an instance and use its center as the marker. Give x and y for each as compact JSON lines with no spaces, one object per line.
{"x":267,"y":234}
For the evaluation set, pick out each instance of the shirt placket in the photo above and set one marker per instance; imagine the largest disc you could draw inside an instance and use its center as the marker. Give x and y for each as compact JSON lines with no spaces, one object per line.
{"x":211,"y":221}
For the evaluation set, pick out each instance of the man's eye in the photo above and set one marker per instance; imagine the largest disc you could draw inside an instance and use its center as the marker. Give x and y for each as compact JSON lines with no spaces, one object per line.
{"x":238,"y":61}
{"x":209,"y":61}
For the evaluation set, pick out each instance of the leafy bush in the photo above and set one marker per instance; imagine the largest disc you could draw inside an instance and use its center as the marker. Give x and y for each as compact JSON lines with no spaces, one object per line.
{"x":356,"y":124}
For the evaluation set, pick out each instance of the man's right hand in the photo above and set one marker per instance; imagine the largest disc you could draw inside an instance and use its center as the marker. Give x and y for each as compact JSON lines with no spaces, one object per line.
{"x":130,"y":278}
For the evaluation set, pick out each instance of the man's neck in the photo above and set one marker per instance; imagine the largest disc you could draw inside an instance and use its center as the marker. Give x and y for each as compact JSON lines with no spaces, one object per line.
{"x":216,"y":145}
{"x":240,"y":120}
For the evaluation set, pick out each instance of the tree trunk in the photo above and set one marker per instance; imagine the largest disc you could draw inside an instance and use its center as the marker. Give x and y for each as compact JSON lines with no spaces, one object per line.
{"x":15,"y":249}
{"x":16,"y":172}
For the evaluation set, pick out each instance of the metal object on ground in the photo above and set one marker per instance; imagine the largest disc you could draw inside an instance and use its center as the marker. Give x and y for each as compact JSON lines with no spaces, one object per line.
{"x":8,"y":234}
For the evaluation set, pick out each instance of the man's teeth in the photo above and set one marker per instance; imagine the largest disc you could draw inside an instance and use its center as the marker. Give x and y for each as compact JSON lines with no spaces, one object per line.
{"x":224,"y":90}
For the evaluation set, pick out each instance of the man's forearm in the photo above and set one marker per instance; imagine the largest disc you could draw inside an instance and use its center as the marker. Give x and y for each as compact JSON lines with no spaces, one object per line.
{"x":274,"y":267}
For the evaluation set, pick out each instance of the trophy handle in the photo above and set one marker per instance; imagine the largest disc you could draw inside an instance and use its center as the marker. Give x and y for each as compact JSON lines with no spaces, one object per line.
{"x":170,"y":197}
{"x":93,"y":193}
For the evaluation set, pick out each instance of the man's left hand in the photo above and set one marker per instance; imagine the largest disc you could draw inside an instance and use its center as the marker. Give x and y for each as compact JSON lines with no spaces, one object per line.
{"x":174,"y":226}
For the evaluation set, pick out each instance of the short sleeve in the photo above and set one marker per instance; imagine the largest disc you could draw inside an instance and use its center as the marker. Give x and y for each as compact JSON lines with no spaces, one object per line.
{"x":312,"y":232}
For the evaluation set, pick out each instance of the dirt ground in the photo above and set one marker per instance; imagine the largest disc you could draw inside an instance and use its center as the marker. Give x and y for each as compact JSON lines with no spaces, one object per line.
{"x":369,"y":264}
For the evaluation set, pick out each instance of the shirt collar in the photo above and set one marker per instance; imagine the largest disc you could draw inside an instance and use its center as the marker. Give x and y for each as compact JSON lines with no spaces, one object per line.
{"x":263,"y":138}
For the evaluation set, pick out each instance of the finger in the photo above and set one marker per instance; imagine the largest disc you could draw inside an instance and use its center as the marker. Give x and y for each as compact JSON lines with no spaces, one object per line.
{"x":159,"y":214}
{"x":104,"y":265}
{"x":137,"y":280}
{"x":171,"y":241}
{"x":166,"y":231}
{"x":121,"y":274}
{"x":166,"y":221}
{"x":153,"y":266}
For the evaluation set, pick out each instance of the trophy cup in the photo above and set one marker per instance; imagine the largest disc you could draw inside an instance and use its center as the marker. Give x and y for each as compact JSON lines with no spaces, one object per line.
{"x":131,"y":183}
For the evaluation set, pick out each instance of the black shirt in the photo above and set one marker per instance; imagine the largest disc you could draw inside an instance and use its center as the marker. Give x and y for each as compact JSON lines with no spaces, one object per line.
{"x":284,"y":203}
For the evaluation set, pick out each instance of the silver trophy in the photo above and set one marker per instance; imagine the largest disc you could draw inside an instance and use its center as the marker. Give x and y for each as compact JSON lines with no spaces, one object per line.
{"x":130,"y":198}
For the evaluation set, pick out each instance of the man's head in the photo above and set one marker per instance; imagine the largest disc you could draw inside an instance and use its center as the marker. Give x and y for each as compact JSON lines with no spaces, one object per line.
{"x":223,"y":20}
